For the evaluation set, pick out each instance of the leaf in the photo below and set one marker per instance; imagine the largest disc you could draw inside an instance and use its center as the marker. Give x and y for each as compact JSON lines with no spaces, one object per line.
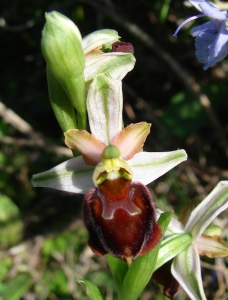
{"x":118,"y":269}
{"x":172,"y":246}
{"x":15,"y":288}
{"x":92,"y":290}
{"x":143,"y":267}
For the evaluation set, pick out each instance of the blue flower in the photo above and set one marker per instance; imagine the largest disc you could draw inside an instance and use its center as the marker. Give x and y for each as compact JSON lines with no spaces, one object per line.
{"x":212,"y":36}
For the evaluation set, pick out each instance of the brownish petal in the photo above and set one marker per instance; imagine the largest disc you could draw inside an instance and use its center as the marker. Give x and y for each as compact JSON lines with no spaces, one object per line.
{"x":131,"y":139}
{"x":86,"y":143}
{"x":212,"y":246}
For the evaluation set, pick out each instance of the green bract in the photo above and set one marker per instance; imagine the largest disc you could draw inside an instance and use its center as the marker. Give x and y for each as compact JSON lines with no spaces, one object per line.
{"x":63,"y":109}
{"x":62,"y":50}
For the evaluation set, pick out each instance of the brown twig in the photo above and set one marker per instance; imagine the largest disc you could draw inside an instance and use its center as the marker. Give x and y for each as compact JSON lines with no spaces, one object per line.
{"x":36,"y":139}
{"x":58,"y":150}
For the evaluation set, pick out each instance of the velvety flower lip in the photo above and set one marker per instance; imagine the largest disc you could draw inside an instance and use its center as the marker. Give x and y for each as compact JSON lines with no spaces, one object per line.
{"x":104,"y":106}
{"x":211,"y":37}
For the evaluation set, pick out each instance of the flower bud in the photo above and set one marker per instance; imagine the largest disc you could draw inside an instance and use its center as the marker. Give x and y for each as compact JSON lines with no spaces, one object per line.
{"x":103,"y":38}
{"x":101,"y":58}
{"x":62,"y":50}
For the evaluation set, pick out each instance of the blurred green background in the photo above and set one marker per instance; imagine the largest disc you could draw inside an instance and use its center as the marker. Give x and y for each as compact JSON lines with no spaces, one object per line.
{"x":43,"y":242}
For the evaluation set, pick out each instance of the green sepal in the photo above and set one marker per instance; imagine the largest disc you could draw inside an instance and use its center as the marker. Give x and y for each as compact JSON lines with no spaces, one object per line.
{"x":61,"y":104}
{"x":62,"y":50}
{"x":92,"y":290}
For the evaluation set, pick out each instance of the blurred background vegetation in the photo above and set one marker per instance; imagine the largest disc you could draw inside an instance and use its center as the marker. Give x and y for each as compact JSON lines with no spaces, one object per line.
{"x":43,"y":242}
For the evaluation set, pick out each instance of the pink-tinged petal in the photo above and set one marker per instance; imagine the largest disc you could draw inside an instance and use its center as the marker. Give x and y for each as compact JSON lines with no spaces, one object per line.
{"x":131,"y":139}
{"x":208,"y":210}
{"x":86,"y":143}
{"x":72,"y":176}
{"x":148,"y":166}
{"x":211,"y":246}
{"x":104,"y":105}
{"x":187,"y":271}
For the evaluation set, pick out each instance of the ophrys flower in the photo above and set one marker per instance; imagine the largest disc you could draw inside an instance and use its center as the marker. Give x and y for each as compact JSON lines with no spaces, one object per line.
{"x":114,"y":163}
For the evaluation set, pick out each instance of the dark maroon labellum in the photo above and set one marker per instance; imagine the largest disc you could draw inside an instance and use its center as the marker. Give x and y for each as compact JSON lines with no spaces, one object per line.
{"x":122,"y":47}
{"x":125,"y":228}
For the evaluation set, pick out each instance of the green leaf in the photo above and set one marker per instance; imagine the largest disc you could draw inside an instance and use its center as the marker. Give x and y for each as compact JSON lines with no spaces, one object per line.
{"x":61,"y":104}
{"x":11,"y":225}
{"x":143,"y":267}
{"x":118,"y":269}
{"x":92,"y":290}
{"x":172,"y":246}
{"x":15,"y":288}
{"x":164,"y":10}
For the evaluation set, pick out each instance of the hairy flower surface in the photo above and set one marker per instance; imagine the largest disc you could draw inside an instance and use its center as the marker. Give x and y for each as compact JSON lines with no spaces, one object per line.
{"x":186,"y":243}
{"x":211,"y":37}
{"x":112,"y":171}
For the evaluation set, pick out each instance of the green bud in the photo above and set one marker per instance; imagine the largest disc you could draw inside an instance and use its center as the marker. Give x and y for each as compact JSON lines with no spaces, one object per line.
{"x":213,"y":229}
{"x":62,"y":50}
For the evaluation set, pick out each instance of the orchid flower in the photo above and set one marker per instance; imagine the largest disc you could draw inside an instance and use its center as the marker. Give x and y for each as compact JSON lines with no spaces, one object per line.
{"x":186,"y":243}
{"x":212,"y":36}
{"x":113,"y":171}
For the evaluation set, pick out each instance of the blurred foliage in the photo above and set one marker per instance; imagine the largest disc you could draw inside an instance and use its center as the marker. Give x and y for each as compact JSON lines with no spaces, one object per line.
{"x":43,"y":243}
